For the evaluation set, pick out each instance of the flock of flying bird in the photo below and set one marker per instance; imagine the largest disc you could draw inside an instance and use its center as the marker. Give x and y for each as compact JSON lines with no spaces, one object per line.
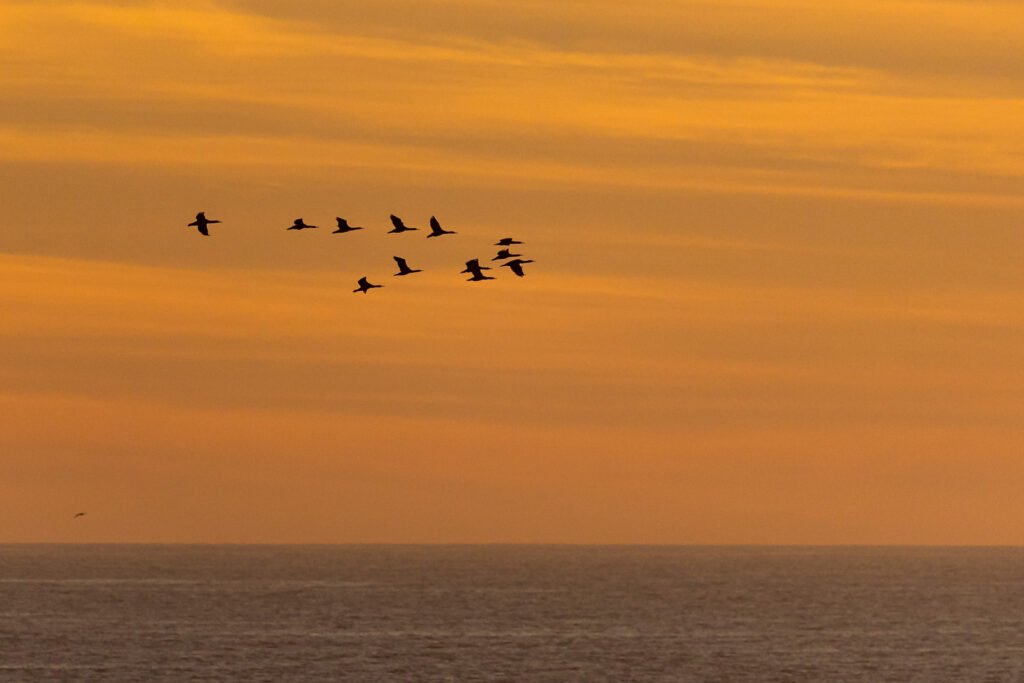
{"x":473,"y":267}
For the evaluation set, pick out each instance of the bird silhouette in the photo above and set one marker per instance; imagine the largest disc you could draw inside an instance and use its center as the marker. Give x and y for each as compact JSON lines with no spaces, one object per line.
{"x":506,"y":242}
{"x":473,"y":266}
{"x":478,"y":276}
{"x":364,"y":286}
{"x":78,"y":514}
{"x":503,"y":254}
{"x":403,"y":267}
{"x":436,"y":230}
{"x":299,"y":225}
{"x":399,"y":225}
{"x":201,"y":222}
{"x":343,"y":226}
{"x":516,"y":265}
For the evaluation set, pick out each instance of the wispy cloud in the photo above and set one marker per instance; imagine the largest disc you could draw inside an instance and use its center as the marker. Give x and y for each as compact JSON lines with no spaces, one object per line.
{"x":774,"y":241}
{"x":146,"y":77}
{"x":589,"y":346}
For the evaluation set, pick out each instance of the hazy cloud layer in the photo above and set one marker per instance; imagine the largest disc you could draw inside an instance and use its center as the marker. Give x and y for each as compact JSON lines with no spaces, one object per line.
{"x":776,"y":297}
{"x":395,"y":86}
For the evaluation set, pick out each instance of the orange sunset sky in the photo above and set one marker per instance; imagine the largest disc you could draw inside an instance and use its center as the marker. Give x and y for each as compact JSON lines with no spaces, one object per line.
{"x":777,"y":295}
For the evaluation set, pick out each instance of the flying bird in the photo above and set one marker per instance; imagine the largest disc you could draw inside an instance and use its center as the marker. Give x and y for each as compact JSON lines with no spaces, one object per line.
{"x":78,"y":514}
{"x":399,"y":225}
{"x":201,"y":222}
{"x":364,"y":286}
{"x":299,"y":225}
{"x":478,"y":275}
{"x":473,"y":266}
{"x":343,"y":226}
{"x":436,"y":230}
{"x":403,"y":267}
{"x":516,"y":265}
{"x":503,"y":254}
{"x":506,"y":242}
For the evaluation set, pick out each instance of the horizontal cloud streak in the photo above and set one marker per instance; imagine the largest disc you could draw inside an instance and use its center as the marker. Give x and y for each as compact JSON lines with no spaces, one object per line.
{"x":473,"y":107}
{"x":776,"y":296}
{"x":570,"y":349}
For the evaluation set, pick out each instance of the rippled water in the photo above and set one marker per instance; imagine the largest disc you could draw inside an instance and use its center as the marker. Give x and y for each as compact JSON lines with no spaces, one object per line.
{"x":512,"y":613}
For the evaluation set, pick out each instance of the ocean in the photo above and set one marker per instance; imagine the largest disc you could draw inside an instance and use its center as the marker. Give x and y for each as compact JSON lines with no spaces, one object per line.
{"x":510,"y":613}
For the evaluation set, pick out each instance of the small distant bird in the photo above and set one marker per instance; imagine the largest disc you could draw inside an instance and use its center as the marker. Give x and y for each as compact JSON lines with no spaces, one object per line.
{"x":516,"y":265}
{"x":299,"y":225}
{"x":506,"y":242}
{"x":503,"y":254}
{"x":478,"y":276}
{"x":399,"y":225}
{"x":436,"y":230}
{"x":343,"y":226}
{"x":364,"y":286}
{"x":78,"y":514}
{"x":403,"y":267}
{"x":473,"y":266}
{"x":201,"y":222}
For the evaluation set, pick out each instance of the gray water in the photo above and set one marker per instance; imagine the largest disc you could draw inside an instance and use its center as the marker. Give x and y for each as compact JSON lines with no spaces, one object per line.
{"x":510,"y":613}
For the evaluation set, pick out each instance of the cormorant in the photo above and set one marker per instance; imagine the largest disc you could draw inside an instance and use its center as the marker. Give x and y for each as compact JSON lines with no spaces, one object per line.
{"x":503,"y":254}
{"x":477,"y":271}
{"x":474,"y":265}
{"x":436,"y":230}
{"x":364,"y":286}
{"x":399,"y":225}
{"x":403,"y":267}
{"x":516,"y":265}
{"x":343,"y":226}
{"x":201,"y":222}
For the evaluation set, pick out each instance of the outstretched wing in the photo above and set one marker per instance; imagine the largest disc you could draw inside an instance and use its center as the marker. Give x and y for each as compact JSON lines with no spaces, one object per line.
{"x":397,"y":222}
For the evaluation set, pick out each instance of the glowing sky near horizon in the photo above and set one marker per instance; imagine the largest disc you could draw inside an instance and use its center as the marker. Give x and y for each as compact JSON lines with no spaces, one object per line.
{"x":777,"y":295}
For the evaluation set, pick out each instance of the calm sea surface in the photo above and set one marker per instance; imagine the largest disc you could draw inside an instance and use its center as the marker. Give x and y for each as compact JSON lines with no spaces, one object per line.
{"x":510,"y":613}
